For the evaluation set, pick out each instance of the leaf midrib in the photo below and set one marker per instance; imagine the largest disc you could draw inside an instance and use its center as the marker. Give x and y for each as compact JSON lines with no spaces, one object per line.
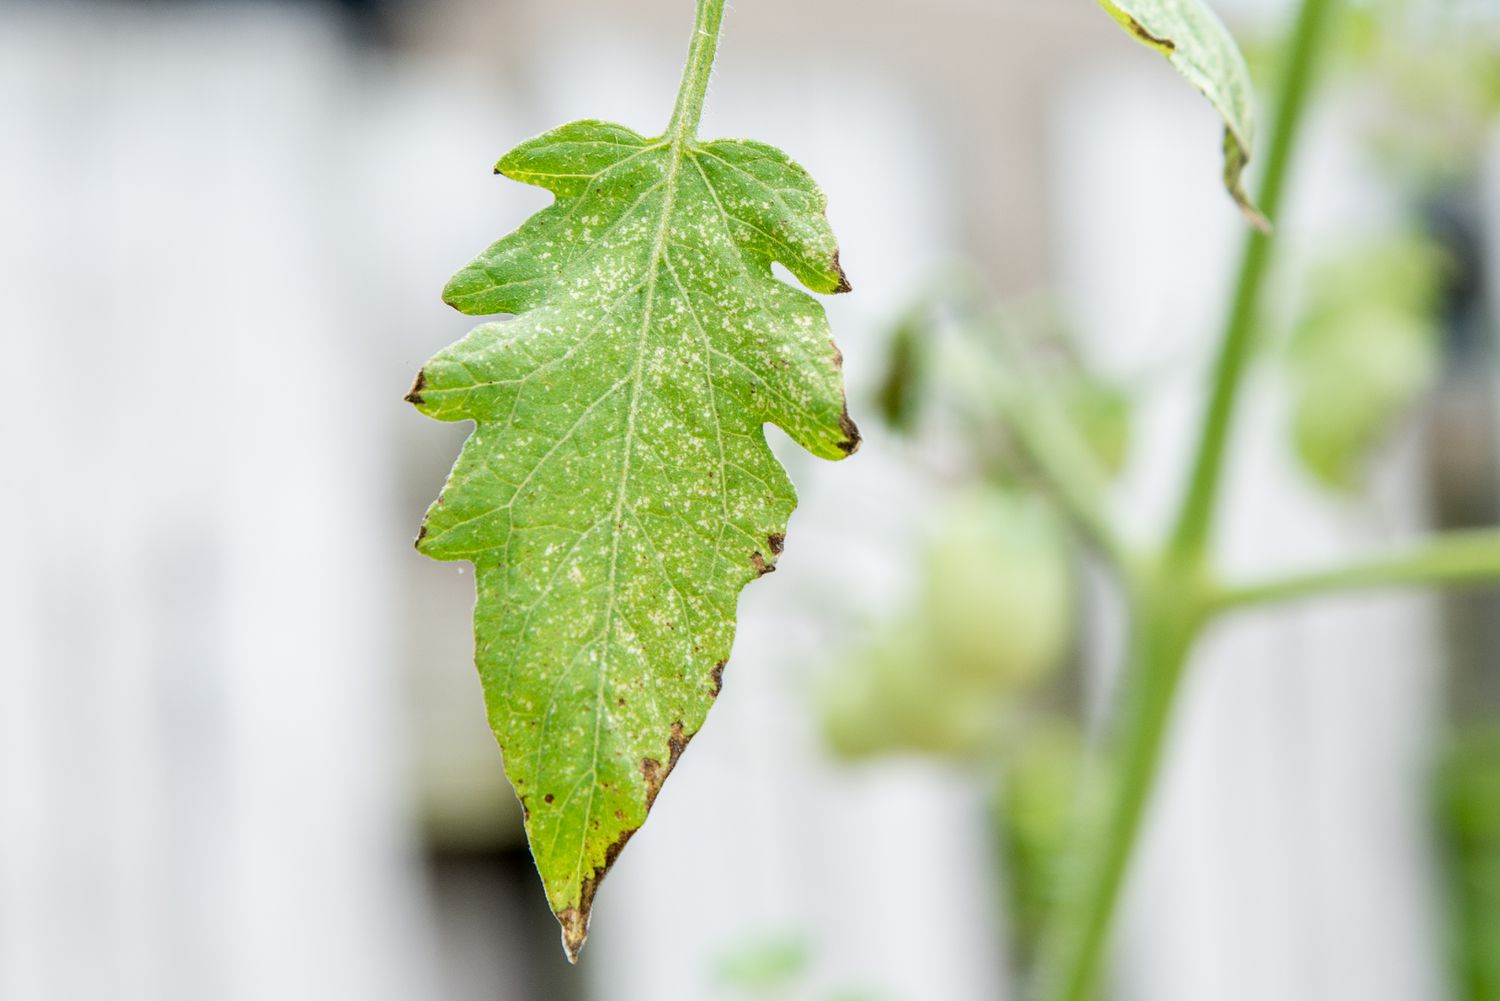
{"x":678,"y":152}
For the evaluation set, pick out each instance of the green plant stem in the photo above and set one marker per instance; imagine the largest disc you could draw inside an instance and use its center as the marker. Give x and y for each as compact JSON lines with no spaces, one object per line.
{"x":1067,"y":471}
{"x":695,"y":75}
{"x":1051,"y":445}
{"x":1195,"y":518}
{"x":1453,"y":559}
{"x":1171,"y":600}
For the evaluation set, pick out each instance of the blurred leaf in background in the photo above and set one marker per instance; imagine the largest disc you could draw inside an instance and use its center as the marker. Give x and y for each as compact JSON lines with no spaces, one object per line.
{"x":1037,"y":811}
{"x":961,"y":371}
{"x":1432,"y":70}
{"x":898,"y":397}
{"x":766,"y":967}
{"x":777,"y":967}
{"x":1365,"y":348}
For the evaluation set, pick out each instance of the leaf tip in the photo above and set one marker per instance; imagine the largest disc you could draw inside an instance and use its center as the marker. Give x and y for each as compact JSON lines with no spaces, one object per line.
{"x":414,"y":395}
{"x":851,"y":441}
{"x":575,"y":932}
{"x":838,"y":269}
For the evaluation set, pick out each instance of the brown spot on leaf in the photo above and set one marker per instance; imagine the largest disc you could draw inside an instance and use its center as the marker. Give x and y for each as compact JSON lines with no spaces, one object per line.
{"x":717,"y":677}
{"x":414,"y":395}
{"x":654,"y":772}
{"x":421,"y":534}
{"x":548,"y":799}
{"x":761,"y":566}
{"x":1139,"y":31}
{"x":777,"y":542}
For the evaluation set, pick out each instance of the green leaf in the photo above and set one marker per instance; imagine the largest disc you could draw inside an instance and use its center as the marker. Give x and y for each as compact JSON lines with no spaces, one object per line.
{"x":617,"y":491}
{"x":1364,"y":350}
{"x":1196,"y":42}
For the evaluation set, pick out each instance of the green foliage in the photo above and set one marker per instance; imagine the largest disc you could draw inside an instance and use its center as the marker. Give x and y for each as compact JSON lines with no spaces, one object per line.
{"x":1470,"y":813}
{"x":777,"y":967}
{"x":899,"y":398}
{"x":990,"y":620}
{"x":1432,"y":80}
{"x":768,"y":966}
{"x":617,"y":491}
{"x":998,"y":369}
{"x":1365,"y":347}
{"x":1037,"y":811}
{"x":1196,"y":42}
{"x":1102,"y":413}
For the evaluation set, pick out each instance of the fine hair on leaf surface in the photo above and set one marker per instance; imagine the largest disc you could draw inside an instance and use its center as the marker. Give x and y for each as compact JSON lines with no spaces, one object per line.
{"x":617,"y":491}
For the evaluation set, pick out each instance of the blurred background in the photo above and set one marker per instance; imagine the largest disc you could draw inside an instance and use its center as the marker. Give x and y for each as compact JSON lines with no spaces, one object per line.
{"x":243,"y":753}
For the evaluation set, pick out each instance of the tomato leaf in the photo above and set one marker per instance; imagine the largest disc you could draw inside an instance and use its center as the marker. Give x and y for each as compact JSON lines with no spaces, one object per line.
{"x":617,"y":491}
{"x":1364,"y":350}
{"x":1196,"y":42}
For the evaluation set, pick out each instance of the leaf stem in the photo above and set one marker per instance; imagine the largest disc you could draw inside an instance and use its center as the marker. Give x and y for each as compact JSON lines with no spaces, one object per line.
{"x":1051,"y":446}
{"x":695,"y":75}
{"x":1195,"y":518}
{"x":1452,"y":559}
{"x":1062,"y":461}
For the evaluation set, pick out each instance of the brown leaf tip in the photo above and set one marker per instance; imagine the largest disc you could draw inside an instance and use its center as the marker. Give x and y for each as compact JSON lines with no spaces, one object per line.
{"x":851,"y":441}
{"x":414,"y":395}
{"x":575,"y":931}
{"x":838,"y":269}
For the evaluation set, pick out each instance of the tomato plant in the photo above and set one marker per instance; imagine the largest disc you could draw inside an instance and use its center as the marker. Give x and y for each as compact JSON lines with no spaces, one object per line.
{"x":617,"y":492}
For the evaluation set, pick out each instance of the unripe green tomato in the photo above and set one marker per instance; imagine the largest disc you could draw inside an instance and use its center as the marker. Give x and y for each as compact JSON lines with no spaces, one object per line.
{"x":991,"y":617}
{"x":998,"y":592}
{"x":893,"y":696}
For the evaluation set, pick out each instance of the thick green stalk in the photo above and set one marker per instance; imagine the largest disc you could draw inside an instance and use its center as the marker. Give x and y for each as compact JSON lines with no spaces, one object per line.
{"x":1195,"y":518}
{"x":1453,"y":559}
{"x":695,"y":75}
{"x":1170,"y":604}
